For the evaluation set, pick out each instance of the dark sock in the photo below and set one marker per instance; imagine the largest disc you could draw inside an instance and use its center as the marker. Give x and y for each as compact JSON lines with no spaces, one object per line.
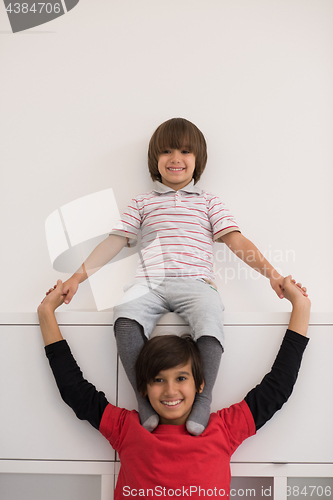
{"x":211,"y":352}
{"x":130,"y":340}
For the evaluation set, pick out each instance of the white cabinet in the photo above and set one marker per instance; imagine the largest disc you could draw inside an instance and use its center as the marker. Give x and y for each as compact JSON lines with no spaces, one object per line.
{"x":35,"y":422}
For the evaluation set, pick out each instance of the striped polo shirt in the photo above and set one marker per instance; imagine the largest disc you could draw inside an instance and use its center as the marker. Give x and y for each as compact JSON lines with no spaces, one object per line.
{"x":178,"y":229}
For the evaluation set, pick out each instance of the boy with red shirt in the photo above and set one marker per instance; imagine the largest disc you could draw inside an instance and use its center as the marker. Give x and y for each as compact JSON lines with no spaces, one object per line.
{"x":170,"y":374}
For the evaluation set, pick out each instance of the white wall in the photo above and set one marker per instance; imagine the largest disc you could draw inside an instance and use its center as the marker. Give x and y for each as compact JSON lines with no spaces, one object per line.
{"x":81,"y":96}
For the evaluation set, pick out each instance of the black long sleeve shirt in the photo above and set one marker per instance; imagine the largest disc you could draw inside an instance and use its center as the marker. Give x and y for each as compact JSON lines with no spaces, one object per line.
{"x":264,"y":400}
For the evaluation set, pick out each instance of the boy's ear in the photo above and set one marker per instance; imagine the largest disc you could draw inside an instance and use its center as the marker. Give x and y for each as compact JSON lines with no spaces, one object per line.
{"x":201,"y":388}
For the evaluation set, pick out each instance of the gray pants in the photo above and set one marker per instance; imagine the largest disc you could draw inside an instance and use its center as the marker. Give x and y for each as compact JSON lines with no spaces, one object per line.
{"x":197,"y":302}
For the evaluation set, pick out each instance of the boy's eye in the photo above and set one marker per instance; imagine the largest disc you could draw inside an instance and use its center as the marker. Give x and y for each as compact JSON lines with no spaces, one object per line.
{"x":183,"y":151}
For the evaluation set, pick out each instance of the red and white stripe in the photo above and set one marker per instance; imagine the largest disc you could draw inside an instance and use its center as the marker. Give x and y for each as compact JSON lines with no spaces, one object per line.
{"x":178,"y":229}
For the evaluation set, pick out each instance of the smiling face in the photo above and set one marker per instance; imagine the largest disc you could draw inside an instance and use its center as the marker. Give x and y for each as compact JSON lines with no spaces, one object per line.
{"x":171,"y":393}
{"x":176,"y":167}
{"x":171,"y":136}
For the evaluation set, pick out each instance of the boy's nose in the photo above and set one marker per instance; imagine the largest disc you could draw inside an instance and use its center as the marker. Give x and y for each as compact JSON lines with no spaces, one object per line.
{"x":175,"y":157}
{"x":170,"y":389}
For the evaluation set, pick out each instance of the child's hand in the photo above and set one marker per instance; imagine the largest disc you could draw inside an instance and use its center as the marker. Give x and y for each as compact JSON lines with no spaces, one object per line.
{"x":294,"y":292}
{"x":276,"y":281}
{"x":69,"y":289}
{"x":54,"y":298}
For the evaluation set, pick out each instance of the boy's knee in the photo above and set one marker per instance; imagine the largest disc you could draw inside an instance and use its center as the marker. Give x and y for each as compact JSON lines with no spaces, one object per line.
{"x":123,"y":326}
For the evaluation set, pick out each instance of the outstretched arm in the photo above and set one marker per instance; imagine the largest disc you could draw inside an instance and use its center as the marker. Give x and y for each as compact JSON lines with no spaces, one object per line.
{"x":47,"y":320}
{"x":101,"y":255}
{"x":249,"y":253}
{"x":78,"y":393}
{"x":276,"y":387}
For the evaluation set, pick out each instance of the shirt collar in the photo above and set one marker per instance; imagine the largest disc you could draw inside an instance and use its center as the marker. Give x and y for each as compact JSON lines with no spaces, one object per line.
{"x":162,"y":188}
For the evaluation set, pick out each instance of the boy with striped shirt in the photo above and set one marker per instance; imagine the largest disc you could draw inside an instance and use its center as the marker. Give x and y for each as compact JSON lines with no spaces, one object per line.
{"x":178,"y":224}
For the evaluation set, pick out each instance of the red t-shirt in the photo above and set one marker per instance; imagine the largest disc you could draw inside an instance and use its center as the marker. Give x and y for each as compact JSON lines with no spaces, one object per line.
{"x":170,"y":462}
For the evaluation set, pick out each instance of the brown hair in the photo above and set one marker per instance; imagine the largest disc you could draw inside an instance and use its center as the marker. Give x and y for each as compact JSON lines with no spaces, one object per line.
{"x":175,"y":134}
{"x":164,"y":352}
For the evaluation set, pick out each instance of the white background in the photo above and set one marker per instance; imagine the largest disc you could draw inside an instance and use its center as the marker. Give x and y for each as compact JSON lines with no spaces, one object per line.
{"x":81,"y":96}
